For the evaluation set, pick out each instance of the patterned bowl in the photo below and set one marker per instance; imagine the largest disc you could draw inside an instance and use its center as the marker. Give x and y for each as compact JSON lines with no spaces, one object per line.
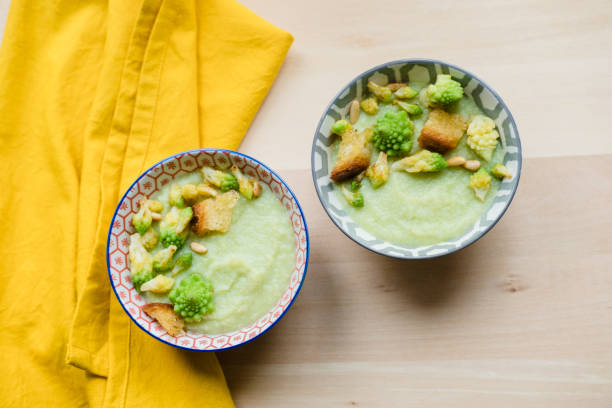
{"x":424,"y":71}
{"x":147,"y":184}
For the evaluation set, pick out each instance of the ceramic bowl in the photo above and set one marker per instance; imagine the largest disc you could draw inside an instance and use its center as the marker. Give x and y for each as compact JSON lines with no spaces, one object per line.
{"x":154,"y":179}
{"x":423,"y":71}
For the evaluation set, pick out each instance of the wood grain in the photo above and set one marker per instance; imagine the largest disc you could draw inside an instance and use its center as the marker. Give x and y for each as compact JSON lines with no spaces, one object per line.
{"x":520,"y":318}
{"x":551,"y":61}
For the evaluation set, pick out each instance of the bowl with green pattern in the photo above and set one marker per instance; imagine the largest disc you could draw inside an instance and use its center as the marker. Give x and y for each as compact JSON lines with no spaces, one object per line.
{"x":418,"y":214}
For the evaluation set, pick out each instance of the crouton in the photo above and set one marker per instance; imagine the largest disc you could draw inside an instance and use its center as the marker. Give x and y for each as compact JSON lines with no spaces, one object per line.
{"x":166,"y":317}
{"x":442,"y":131}
{"x":353,"y":155}
{"x":214,"y":214}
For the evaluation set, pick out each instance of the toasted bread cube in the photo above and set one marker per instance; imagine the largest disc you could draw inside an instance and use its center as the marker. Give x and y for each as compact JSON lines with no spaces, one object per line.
{"x":442,"y":131}
{"x":353,"y":155}
{"x":214,"y":214}
{"x":165,"y":315}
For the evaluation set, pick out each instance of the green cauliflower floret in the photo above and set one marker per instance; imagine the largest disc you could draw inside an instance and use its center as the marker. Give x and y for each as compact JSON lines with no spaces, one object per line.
{"x":381,"y":92}
{"x":423,"y":161}
{"x":162,"y":260}
{"x":411,"y":108}
{"x":393,"y":133}
{"x":192,"y":298}
{"x":248,"y":187}
{"x":150,"y":239}
{"x":354,"y":198}
{"x":340,"y":127}
{"x":445,"y":91}
{"x":190,"y":194}
{"x":378,"y":173}
{"x":500,"y":171}
{"x":405,"y":92}
{"x":159,"y":284}
{"x":142,"y":219}
{"x":480,"y":182}
{"x":183,"y":262}
{"x":154,"y":205}
{"x":175,"y":196}
{"x":482,"y":136}
{"x":173,"y":228}
{"x":369,"y":106}
{"x":141,"y":263}
{"x":220,"y":179}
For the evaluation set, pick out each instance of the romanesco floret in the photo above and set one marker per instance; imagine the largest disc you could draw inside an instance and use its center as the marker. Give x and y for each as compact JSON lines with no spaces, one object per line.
{"x":411,"y":108}
{"x":248,"y":187}
{"x":482,"y":136}
{"x":192,"y":298}
{"x":340,"y":126}
{"x":381,"y":92}
{"x":500,"y":171}
{"x":480,"y":182}
{"x":159,"y":284}
{"x":405,"y":92}
{"x":189,"y":192}
{"x":445,"y":91}
{"x":352,"y":195}
{"x":175,"y":196}
{"x":378,"y":173}
{"x":162,"y":260}
{"x":206,"y":191}
{"x":220,"y":179}
{"x":423,"y":161}
{"x":173,"y":228}
{"x":154,"y":205}
{"x":141,"y":264}
{"x":393,"y":133}
{"x":150,"y":239}
{"x":183,"y":262}
{"x":370,"y":106}
{"x":142,"y":219}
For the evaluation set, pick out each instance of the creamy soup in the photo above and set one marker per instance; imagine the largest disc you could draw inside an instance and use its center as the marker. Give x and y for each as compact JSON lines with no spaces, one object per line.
{"x":249,"y":266}
{"x":416,"y":209}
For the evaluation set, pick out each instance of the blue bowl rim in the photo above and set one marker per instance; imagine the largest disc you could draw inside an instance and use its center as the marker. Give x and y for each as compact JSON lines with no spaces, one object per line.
{"x":419,"y":61}
{"x":297,"y":292}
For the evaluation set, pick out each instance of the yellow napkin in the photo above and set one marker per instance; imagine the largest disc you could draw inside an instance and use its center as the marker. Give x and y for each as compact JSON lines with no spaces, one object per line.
{"x":91,"y":94}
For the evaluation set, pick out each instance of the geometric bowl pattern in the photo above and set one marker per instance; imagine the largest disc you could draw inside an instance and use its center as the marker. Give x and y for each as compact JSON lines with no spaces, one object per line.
{"x":423,"y":71}
{"x":158,"y":176}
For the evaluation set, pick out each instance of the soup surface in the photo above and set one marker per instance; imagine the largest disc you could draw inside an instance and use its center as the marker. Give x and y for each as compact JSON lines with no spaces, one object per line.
{"x":419,"y":209}
{"x":249,"y":266}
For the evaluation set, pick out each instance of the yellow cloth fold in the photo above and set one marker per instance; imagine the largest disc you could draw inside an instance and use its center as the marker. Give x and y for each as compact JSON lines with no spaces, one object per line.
{"x":91,"y":94}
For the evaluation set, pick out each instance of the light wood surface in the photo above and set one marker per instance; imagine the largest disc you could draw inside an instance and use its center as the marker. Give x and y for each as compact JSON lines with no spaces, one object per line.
{"x":523,"y":318}
{"x":551,"y":61}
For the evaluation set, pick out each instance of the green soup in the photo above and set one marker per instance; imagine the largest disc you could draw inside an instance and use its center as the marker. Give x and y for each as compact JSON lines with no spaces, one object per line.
{"x":249,"y":266}
{"x":421,"y":208}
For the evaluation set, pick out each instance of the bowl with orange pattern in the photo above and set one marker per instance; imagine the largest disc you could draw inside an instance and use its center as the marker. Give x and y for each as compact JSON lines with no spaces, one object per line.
{"x":254,"y":270}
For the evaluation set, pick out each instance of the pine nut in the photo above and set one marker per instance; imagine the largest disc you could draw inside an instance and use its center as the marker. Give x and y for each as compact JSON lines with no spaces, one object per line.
{"x":472,"y":165}
{"x":456,"y":161}
{"x":156,"y":216}
{"x":394,"y":86}
{"x":354,"y":111}
{"x":198,"y":248}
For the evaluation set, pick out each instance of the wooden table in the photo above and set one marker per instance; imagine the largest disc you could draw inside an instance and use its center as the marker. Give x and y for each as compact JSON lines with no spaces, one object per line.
{"x":521,"y":318}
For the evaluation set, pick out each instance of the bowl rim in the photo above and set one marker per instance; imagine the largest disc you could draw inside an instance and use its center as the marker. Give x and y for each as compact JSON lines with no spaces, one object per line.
{"x":306,"y":258}
{"x":418,"y":61}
